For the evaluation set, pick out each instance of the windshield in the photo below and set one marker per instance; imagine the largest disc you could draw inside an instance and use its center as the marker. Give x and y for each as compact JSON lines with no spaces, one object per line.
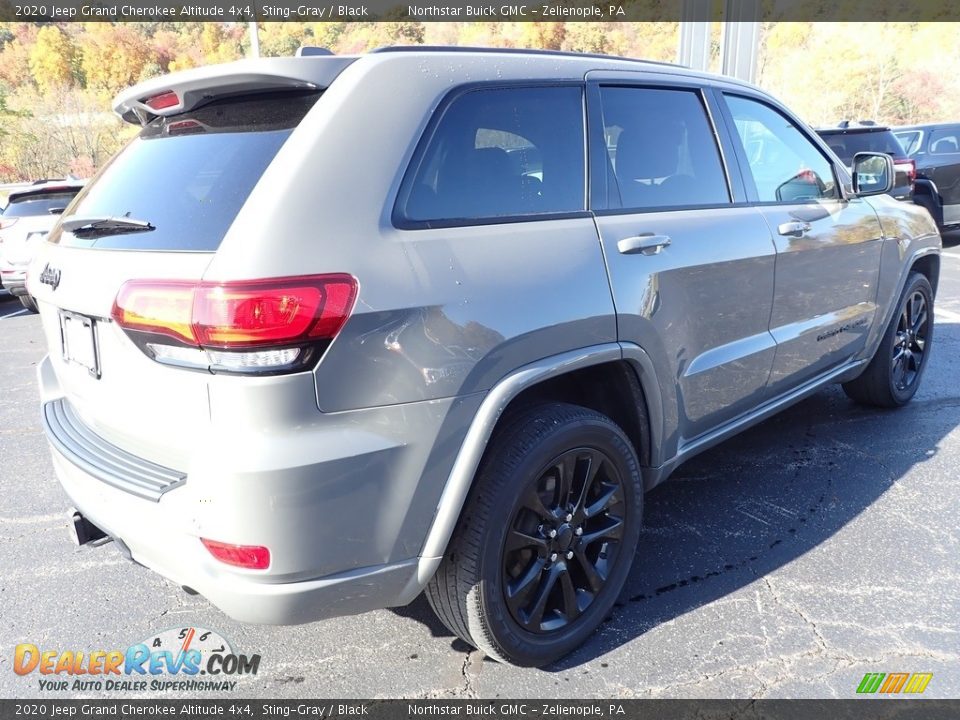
{"x":847,"y":145}
{"x":188,"y":175}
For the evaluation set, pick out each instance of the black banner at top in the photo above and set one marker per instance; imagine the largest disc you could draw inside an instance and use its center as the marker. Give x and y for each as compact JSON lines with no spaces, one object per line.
{"x":477,"y":10}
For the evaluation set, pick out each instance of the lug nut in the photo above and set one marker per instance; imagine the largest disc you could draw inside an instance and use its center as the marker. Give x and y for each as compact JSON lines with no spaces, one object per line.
{"x":569,"y":517}
{"x":553,"y":557}
{"x":578,"y":532}
{"x":552,"y":534}
{"x":569,"y":554}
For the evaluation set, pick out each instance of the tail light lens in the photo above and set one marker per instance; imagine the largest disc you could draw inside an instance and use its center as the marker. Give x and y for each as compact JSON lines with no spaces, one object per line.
{"x":256,"y":326}
{"x":907,"y":166}
{"x":251,"y":557}
{"x":7,"y":223}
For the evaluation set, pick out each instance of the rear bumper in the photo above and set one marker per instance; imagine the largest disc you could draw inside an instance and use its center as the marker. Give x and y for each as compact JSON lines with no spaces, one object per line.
{"x":326,"y":523}
{"x":14,"y":281}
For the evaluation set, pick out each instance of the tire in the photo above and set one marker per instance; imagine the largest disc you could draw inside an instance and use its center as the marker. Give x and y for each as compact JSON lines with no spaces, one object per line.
{"x":29,"y":303}
{"x":893,"y":375}
{"x":524,"y":468}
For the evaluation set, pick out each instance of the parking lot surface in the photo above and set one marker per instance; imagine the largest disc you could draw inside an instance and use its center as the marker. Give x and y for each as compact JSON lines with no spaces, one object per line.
{"x":788,"y":562}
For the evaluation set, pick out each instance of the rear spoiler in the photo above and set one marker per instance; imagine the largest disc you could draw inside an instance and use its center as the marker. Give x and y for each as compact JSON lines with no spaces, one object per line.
{"x":178,"y":92}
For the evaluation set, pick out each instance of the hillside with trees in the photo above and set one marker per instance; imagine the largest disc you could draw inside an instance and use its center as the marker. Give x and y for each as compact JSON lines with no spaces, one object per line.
{"x":57,"y":80}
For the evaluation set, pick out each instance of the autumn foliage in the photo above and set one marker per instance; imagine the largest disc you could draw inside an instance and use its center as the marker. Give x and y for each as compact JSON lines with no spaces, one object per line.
{"x":56,"y":81}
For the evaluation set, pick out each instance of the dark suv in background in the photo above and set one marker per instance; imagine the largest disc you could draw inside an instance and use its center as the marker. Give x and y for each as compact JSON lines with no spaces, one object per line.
{"x":935,"y":151}
{"x":851,"y":137}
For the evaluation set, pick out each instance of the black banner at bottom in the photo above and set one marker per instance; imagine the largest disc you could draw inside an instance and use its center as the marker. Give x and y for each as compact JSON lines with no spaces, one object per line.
{"x":874,"y":708}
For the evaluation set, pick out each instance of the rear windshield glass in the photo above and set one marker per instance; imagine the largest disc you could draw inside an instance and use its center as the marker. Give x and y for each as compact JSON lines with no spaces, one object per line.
{"x":38,"y":204}
{"x":188,"y":175}
{"x":849,"y":144}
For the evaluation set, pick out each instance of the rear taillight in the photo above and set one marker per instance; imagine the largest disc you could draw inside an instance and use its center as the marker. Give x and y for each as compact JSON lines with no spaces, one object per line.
{"x":255,"y":326}
{"x":7,"y":222}
{"x":251,"y":557}
{"x":907,"y":166}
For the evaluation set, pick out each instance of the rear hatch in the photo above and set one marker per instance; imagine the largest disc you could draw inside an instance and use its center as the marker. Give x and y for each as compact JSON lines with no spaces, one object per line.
{"x":29,"y":217}
{"x":158,"y":212}
{"x":847,"y":143}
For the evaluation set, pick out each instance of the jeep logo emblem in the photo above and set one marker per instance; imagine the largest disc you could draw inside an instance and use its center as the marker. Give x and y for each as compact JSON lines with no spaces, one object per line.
{"x":50,"y":276}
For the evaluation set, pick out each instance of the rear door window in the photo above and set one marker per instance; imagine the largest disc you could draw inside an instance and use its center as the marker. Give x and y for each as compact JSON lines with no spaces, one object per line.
{"x":498,"y":154}
{"x":189,"y":174}
{"x":945,"y":141}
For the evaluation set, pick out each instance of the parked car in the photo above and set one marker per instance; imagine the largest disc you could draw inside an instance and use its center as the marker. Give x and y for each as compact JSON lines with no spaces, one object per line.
{"x":935,"y":148}
{"x":849,"y":138}
{"x":28,"y":217}
{"x":308,"y":361}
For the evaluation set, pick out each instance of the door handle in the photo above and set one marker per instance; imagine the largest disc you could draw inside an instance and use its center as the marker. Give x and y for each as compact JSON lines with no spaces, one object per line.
{"x":649,"y":244}
{"x":794,"y":229}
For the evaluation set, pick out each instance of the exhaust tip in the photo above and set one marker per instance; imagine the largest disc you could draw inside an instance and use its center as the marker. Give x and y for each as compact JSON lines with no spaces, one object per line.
{"x":82,"y":530}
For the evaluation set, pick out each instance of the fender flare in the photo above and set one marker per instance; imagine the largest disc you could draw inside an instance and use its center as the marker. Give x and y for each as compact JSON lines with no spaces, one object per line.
{"x":460,"y":480}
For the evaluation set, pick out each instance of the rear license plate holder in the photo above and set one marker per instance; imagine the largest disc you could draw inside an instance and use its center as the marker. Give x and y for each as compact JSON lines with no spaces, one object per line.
{"x":78,"y":336}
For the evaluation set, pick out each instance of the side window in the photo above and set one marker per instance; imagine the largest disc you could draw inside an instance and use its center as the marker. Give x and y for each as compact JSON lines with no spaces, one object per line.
{"x":785,"y":165}
{"x":945,"y":141}
{"x":505,"y":152}
{"x":910,"y":140}
{"x":661,"y":149}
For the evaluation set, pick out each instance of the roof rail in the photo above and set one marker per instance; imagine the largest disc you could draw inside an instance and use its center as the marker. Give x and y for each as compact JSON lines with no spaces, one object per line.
{"x":515,"y":51}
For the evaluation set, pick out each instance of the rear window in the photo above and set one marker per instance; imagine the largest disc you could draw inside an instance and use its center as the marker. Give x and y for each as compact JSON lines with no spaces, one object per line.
{"x":910,"y":140}
{"x":39,"y":204}
{"x":188,"y":175}
{"x":846,"y":145}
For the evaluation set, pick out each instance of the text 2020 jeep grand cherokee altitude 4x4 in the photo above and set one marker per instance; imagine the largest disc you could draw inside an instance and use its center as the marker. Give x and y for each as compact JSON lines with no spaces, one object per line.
{"x":332,"y":331}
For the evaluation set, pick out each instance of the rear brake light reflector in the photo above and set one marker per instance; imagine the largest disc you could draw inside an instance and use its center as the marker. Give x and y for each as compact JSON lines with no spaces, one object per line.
{"x":162,"y":101}
{"x":251,"y":557}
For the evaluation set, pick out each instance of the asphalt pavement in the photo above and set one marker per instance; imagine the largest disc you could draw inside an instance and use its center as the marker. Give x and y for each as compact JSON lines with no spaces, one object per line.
{"x":787,"y":562}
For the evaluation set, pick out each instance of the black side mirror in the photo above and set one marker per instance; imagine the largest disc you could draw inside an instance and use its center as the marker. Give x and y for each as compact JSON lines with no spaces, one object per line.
{"x":873,"y":174}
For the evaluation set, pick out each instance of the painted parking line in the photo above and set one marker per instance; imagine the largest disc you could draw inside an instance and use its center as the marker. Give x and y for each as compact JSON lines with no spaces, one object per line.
{"x":951,"y":255}
{"x":23,"y":311}
{"x":947,"y":314}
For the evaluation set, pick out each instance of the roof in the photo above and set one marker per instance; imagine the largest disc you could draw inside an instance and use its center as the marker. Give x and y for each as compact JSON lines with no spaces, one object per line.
{"x":314,"y":69}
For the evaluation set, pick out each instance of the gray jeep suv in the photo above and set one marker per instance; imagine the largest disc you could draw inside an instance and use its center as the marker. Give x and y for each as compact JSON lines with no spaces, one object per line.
{"x":335,"y":331}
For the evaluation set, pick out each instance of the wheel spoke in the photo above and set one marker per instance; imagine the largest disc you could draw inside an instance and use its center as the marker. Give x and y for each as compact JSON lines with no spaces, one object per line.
{"x":517,"y":540}
{"x":612,"y":531}
{"x":521,"y":587}
{"x":534,"y":503}
{"x":594,"y":579}
{"x":541,"y":595}
{"x":919,"y":322}
{"x":565,"y":470}
{"x":570,"y":606}
{"x":589,"y":470}
{"x":601,"y":503}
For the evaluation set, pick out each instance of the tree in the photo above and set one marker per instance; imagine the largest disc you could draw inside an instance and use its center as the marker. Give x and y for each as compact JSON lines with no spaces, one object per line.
{"x":51,"y":59}
{"x":113,"y":56}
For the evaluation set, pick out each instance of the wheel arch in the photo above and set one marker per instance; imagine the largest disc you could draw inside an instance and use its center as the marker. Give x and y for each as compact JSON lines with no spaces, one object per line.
{"x":624,"y":375}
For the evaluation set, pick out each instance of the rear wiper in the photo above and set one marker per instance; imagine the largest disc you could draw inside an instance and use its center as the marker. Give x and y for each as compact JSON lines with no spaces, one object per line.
{"x":90,"y":227}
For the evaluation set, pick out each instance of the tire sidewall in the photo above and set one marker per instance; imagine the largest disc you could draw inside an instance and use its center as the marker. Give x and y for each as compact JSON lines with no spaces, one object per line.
{"x":521,"y":646}
{"x":915,"y":283}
